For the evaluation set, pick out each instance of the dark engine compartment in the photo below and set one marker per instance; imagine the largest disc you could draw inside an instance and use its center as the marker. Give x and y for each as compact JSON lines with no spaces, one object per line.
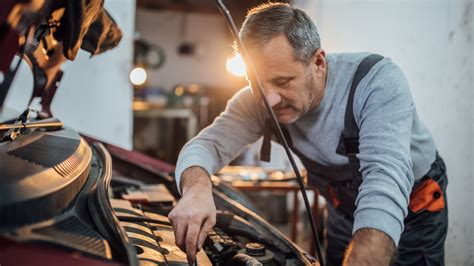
{"x":95,"y":200}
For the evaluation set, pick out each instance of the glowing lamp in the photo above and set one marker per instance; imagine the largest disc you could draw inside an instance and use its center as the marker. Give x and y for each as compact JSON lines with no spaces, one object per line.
{"x":138,"y":76}
{"x":236,"y":65}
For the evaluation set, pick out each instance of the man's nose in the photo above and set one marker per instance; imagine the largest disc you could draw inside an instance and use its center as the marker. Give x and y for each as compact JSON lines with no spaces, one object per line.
{"x":273,"y":97}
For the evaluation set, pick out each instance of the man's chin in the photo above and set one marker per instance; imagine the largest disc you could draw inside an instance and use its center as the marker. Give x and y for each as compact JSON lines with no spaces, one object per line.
{"x":287,"y":119}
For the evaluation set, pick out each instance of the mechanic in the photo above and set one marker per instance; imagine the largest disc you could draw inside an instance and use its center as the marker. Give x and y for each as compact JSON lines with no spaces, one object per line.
{"x":376,"y":164}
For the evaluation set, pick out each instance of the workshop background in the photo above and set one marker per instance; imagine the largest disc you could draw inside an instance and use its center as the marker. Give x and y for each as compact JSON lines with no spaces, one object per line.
{"x":184,"y":50}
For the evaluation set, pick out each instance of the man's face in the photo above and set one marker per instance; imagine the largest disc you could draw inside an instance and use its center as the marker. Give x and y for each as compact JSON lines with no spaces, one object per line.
{"x":292,"y":87}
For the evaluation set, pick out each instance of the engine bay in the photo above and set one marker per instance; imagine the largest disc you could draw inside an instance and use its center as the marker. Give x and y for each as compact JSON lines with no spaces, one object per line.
{"x":100,"y":201}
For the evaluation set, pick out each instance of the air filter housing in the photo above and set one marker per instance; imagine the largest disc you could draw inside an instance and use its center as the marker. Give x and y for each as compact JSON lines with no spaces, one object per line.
{"x":41,"y":173}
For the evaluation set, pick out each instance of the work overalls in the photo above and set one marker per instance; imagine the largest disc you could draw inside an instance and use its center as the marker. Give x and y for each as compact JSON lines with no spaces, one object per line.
{"x":422,"y":241}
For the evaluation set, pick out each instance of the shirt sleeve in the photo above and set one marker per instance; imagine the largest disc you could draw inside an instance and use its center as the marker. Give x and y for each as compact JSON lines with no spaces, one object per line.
{"x":385,"y":111}
{"x":240,"y":124}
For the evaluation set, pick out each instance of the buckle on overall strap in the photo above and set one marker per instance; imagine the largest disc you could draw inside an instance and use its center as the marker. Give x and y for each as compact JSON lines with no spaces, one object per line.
{"x":351,"y":145}
{"x":352,"y":149}
{"x":348,"y":147}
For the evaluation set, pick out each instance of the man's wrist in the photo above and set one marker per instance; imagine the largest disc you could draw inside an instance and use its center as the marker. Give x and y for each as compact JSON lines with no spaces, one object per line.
{"x":195,"y":177}
{"x":369,"y":247}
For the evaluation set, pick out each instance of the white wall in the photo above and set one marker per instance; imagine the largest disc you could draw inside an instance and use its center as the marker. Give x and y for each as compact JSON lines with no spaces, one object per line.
{"x":432,"y":41}
{"x":207,"y":31}
{"x":95,"y":95}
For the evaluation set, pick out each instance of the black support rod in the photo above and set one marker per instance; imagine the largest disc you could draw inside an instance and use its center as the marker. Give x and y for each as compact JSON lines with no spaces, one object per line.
{"x":225,"y":11}
{"x":51,"y":123}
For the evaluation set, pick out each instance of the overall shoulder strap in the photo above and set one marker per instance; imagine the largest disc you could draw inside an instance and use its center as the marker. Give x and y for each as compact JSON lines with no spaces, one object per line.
{"x":349,"y":144}
{"x":269,"y":129}
{"x":350,"y":134}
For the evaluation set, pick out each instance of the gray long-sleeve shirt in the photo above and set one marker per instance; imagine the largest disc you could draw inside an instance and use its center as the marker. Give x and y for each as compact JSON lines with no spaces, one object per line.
{"x":395,"y":148}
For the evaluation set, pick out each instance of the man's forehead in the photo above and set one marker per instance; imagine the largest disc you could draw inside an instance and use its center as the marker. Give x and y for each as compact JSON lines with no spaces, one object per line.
{"x":277,"y":47}
{"x":275,"y":57}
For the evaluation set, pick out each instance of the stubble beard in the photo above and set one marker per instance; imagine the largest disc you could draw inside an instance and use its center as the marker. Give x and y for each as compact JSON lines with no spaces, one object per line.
{"x":310,"y":87}
{"x":300,"y":112}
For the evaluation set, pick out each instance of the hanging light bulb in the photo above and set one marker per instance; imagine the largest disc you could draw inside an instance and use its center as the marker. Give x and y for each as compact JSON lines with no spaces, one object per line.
{"x":138,"y":76}
{"x":236,"y":66}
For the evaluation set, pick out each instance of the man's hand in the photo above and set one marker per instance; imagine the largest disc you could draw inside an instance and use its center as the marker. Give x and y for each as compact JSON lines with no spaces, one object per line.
{"x":195,"y":214}
{"x":369,"y":247}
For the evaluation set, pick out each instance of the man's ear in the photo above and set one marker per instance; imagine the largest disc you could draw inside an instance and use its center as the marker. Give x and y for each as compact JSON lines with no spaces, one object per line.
{"x":319,"y":59}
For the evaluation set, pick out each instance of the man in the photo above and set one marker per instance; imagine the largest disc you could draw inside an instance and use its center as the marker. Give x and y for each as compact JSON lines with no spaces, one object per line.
{"x":386,"y":194}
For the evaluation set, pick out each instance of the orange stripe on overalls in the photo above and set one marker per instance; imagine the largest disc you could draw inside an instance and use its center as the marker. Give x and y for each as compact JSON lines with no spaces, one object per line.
{"x":333,"y":197}
{"x":427,"y":196}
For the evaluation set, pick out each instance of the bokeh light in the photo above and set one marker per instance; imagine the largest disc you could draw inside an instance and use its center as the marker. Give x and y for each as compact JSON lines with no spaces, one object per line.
{"x":138,"y":76}
{"x":236,"y":66}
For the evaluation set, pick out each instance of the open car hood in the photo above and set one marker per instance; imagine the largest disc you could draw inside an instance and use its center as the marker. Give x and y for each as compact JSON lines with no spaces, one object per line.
{"x":48,"y":32}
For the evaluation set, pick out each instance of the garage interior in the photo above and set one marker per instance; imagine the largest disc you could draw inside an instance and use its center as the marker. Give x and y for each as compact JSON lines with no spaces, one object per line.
{"x":176,"y":66}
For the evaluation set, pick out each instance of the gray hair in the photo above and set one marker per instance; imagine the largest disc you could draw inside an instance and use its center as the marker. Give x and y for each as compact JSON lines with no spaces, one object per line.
{"x":269,"y":20}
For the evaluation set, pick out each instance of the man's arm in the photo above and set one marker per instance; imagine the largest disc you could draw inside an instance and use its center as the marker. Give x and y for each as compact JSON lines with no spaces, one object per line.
{"x":195,"y":215}
{"x":369,"y":247}
{"x":240,"y":124}
{"x":384,"y":110}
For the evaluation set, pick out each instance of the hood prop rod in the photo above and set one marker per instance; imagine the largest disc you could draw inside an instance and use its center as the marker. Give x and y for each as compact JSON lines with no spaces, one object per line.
{"x":225,"y":11}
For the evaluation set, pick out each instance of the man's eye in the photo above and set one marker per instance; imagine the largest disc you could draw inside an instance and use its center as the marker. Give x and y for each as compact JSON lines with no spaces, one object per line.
{"x":283,"y":82}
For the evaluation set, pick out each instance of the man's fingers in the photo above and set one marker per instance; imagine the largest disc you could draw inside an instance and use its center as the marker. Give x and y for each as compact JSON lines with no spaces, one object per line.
{"x":191,"y":240}
{"x":189,"y":216}
{"x":206,"y":227}
{"x":171,"y":216}
{"x":180,"y":228}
